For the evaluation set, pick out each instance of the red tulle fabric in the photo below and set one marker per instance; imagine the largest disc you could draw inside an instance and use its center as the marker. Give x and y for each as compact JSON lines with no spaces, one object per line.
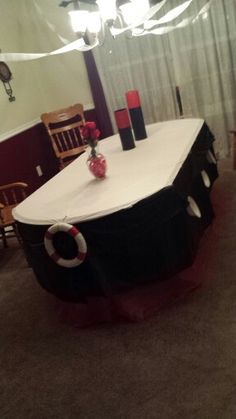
{"x":136,"y":305}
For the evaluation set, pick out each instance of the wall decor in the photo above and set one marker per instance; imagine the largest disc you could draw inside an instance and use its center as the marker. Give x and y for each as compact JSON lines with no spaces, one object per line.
{"x":5,"y":77}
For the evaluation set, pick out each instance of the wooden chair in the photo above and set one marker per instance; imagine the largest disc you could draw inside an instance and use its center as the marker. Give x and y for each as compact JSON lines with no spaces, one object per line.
{"x":63,"y":127}
{"x":10,"y":195}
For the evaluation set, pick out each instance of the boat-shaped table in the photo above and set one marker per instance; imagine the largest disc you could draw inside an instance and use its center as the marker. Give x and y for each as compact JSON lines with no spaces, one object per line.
{"x":142,"y":223}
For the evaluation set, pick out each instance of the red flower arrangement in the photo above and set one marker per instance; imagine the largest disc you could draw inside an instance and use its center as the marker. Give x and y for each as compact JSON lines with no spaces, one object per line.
{"x":90,"y":134}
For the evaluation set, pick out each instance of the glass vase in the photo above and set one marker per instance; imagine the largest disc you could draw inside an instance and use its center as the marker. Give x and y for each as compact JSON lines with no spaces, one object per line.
{"x":97,"y":164}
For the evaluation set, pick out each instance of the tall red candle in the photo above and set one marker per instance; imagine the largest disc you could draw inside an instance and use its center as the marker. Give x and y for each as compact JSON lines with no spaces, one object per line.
{"x":122,"y":118}
{"x":133,"y":99}
{"x":124,"y":128}
{"x":136,"y":114}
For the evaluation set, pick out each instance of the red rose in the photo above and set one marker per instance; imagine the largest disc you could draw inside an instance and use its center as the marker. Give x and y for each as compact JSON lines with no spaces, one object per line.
{"x":90,"y":133}
{"x":85,"y":132}
{"x":94,"y":134}
{"x":90,"y":125}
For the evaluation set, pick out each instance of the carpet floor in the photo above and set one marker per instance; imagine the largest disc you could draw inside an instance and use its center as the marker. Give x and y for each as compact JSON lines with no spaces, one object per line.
{"x":178,"y":364}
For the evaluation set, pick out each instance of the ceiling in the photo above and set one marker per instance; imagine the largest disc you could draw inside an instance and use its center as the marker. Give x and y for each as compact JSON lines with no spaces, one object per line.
{"x":65,"y":3}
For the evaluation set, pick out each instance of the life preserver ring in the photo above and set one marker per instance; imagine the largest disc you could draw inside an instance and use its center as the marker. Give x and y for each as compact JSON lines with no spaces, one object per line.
{"x":73,"y":232}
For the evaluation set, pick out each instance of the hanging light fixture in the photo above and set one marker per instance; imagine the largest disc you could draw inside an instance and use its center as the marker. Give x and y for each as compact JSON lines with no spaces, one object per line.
{"x":92,"y":20}
{"x":79,"y":21}
{"x":107,"y":10}
{"x":134,"y":10}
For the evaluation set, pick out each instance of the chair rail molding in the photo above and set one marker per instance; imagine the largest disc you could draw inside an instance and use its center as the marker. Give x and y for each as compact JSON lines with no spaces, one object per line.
{"x":15,"y":131}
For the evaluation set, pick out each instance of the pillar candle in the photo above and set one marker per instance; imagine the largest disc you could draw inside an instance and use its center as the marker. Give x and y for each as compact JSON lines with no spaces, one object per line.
{"x":124,"y":128}
{"x":136,"y":114}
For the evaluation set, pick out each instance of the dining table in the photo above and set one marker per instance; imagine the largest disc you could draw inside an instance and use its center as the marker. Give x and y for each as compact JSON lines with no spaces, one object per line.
{"x":140,"y":224}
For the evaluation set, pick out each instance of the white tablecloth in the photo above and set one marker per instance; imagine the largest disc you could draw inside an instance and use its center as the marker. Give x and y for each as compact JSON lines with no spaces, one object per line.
{"x":73,"y":195}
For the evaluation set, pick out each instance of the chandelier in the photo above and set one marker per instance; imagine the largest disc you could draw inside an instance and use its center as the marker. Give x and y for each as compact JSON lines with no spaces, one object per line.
{"x":93,"y":20}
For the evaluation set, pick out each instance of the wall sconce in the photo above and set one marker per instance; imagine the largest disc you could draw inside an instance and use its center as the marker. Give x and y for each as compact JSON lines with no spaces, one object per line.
{"x":5,"y":77}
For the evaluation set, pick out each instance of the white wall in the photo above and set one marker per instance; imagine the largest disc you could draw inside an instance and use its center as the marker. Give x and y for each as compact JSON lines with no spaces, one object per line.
{"x":46,"y":84}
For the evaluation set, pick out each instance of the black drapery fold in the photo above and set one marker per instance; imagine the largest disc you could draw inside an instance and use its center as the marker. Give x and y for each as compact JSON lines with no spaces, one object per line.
{"x":102,"y":113}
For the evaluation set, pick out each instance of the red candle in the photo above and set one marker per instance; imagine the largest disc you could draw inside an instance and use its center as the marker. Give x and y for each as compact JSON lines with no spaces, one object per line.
{"x":136,"y":114}
{"x":124,"y":128}
{"x":122,"y":118}
{"x":133,"y":99}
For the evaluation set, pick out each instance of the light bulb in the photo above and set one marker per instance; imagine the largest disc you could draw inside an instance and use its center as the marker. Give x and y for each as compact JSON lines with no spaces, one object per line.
{"x":79,"y":20}
{"x":134,"y":10}
{"x":94,"y":22}
{"x":127,"y":11}
{"x":107,"y":9}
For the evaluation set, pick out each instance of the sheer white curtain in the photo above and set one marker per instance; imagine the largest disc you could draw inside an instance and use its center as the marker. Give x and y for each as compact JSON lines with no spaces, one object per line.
{"x":143,"y":64}
{"x":200,"y":58}
{"x":206,"y":61}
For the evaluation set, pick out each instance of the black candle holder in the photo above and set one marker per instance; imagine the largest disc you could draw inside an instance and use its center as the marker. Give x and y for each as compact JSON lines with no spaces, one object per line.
{"x":124,"y":129}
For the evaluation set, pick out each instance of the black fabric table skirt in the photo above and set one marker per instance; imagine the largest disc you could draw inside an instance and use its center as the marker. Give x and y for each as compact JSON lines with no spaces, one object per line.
{"x":151,"y":241}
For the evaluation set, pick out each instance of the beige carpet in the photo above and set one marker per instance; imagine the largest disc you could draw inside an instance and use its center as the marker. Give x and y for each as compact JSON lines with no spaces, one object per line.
{"x":180,"y":364}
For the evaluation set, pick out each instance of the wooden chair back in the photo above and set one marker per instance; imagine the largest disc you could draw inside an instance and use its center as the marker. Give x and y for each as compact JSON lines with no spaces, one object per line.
{"x":63,"y":127}
{"x":10,"y":196}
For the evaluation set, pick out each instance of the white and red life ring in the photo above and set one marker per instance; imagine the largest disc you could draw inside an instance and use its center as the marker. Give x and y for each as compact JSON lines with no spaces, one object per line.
{"x":73,"y":232}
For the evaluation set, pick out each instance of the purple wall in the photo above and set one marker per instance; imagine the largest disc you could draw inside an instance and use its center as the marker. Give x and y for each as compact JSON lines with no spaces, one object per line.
{"x":20,"y":155}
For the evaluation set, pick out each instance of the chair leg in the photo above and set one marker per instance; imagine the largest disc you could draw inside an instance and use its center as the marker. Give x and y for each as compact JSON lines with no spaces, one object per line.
{"x":14,"y":226}
{"x":21,"y":243}
{"x":4,"y":239}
